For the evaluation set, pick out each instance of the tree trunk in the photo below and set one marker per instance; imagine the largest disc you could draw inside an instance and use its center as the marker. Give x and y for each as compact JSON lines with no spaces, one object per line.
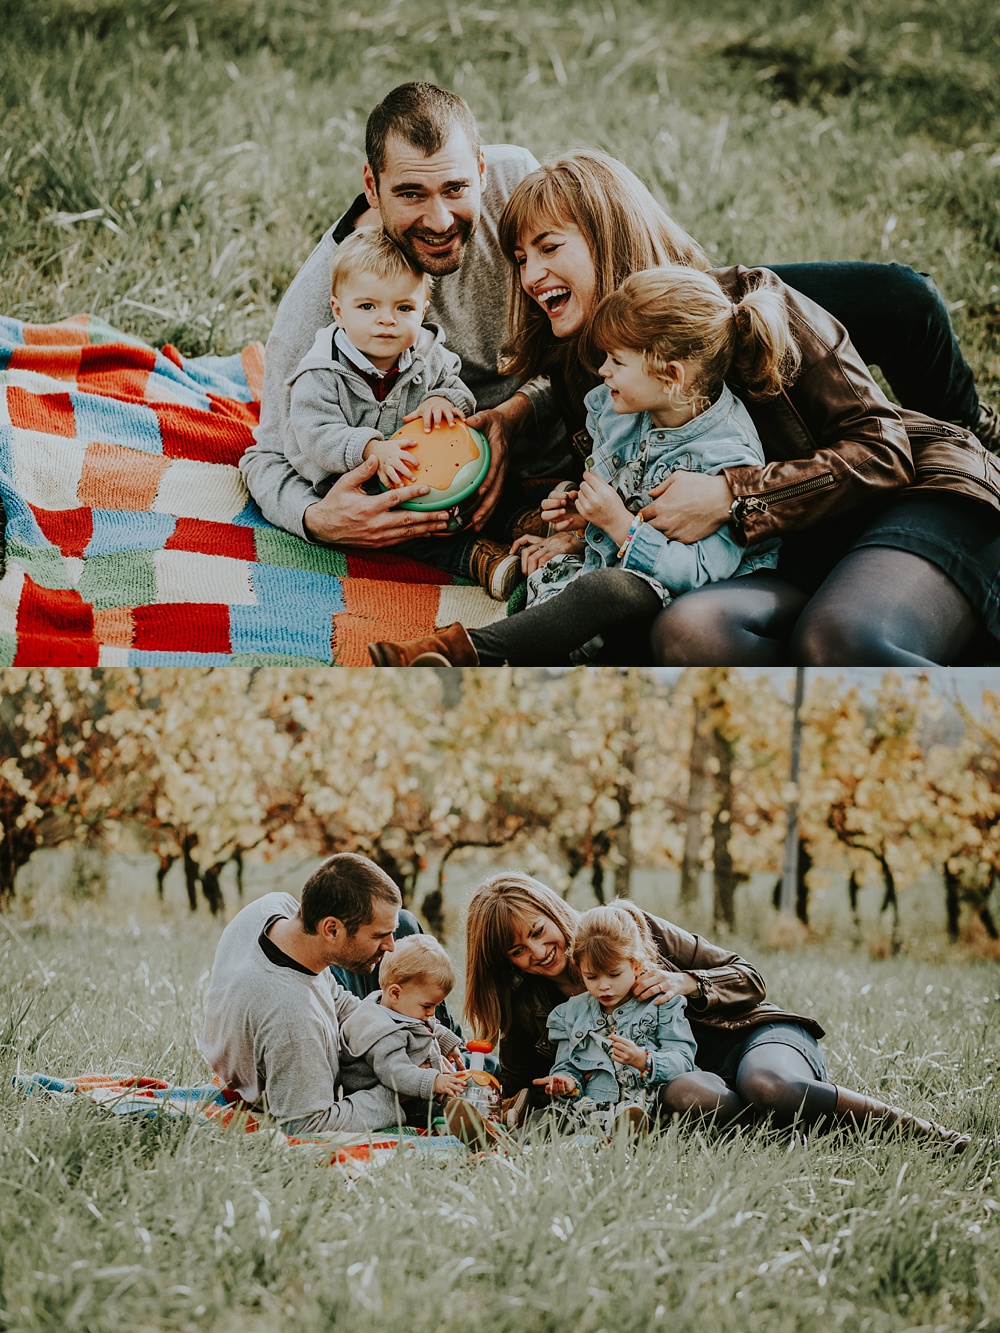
{"x":191,"y":873}
{"x":212,"y":888}
{"x":163,"y":870}
{"x":238,"y":862}
{"x":432,"y":910}
{"x":699,"y":791}
{"x":952,"y":902}
{"x":726,"y":878}
{"x":891,"y":903}
{"x":803,"y":866}
{"x":624,"y":789}
{"x":852,"y":897}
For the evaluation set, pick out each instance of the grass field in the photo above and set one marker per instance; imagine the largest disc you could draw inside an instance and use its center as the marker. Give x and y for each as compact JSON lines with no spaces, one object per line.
{"x":169,"y":166}
{"x":111,"y":1225}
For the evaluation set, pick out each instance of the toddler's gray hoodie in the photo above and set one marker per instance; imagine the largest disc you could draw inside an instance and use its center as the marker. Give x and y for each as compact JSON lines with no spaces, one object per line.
{"x":381,"y":1046}
{"x":334,"y":412}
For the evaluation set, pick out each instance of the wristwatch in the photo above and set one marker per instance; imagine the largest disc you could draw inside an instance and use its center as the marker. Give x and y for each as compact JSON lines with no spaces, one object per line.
{"x":738,"y":510}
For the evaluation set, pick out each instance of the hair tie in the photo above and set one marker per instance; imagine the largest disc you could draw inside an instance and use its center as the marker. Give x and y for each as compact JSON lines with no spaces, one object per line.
{"x":736,"y":311}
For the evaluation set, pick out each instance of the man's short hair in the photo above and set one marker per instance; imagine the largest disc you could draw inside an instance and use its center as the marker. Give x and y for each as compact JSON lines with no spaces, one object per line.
{"x":417,"y":958}
{"x":346,"y":886}
{"x":370,"y":250}
{"x":423,"y":115}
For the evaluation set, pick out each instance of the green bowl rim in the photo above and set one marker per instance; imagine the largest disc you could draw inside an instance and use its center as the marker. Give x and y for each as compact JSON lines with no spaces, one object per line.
{"x":428,"y":503}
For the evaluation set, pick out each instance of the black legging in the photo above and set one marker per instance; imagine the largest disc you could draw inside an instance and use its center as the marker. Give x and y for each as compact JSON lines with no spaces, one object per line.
{"x":878,"y":607}
{"x":546,"y":634}
{"x":773,"y":1081}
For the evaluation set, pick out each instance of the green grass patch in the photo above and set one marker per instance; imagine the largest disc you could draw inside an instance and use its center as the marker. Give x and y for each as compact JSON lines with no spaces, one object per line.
{"x":112,"y":1222}
{"x":169,"y":167}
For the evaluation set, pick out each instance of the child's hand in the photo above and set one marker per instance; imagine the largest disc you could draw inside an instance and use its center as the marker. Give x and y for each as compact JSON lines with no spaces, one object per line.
{"x":557,"y":1085}
{"x":561,"y":512}
{"x":456,"y":1059}
{"x":433,"y":411}
{"x":601,"y":505}
{"x":449,"y":1085}
{"x":394,"y":468}
{"x":625,"y":1052}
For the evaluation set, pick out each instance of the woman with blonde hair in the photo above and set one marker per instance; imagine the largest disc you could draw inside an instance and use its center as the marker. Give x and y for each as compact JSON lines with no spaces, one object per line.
{"x":753,"y":1059}
{"x":890,"y":520}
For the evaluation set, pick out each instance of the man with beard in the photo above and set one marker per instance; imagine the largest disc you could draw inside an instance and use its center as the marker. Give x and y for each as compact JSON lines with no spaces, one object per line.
{"x":273,"y":1011}
{"x":438,"y":194}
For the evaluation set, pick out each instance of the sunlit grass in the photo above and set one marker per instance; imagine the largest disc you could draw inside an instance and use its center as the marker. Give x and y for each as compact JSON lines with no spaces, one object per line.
{"x":110,"y":1223}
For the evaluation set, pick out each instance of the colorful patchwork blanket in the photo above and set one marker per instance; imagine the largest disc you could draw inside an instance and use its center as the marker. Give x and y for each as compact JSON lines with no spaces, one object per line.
{"x":210,"y":1104}
{"x":131,"y":539}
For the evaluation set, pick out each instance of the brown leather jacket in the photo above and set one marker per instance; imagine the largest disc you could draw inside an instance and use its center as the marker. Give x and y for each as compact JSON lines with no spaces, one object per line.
{"x":730,"y":999}
{"x":832,"y":438}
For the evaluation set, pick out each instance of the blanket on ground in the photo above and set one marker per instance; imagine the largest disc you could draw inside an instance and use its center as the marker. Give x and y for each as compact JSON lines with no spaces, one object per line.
{"x":211,"y":1104}
{"x":131,"y":539}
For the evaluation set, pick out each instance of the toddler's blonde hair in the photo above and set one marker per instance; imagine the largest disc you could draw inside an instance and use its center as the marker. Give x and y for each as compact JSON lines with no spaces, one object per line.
{"x":417,"y":958}
{"x":682,"y":314}
{"x":608,"y":936}
{"x":371,"y":250}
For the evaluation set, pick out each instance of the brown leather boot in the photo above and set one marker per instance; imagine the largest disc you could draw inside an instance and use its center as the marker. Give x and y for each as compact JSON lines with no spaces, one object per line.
{"x":445,"y":647}
{"x":854,"y":1108}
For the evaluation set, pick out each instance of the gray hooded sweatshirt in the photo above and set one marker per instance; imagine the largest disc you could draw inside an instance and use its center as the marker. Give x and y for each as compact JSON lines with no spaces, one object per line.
{"x":383,"y":1047}
{"x":334,"y":412}
{"x":469,"y":304}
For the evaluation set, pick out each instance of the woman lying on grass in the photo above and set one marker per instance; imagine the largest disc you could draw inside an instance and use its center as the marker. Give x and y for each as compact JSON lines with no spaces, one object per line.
{"x":753,"y":1059}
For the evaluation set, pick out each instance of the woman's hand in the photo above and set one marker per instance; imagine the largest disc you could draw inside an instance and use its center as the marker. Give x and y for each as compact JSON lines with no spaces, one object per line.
{"x":625,"y":1052}
{"x":687,"y":506}
{"x":601,"y":504}
{"x":556,"y":1085}
{"x":659,"y":985}
{"x":538,"y":551}
{"x":449,"y":1085}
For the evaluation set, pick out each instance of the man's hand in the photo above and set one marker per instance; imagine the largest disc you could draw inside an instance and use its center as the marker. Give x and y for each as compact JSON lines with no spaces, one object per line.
{"x":538,"y":551}
{"x":688,"y":506}
{"x":625,"y":1052}
{"x":500,"y":425}
{"x":449,"y":1085}
{"x":435,"y":410}
{"x":601,"y":505}
{"x":557,"y":1085}
{"x":347,"y":516}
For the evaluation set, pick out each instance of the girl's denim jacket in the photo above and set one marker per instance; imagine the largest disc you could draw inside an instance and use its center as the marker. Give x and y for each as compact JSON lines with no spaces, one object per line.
{"x":633,"y":456}
{"x":580,"y":1029}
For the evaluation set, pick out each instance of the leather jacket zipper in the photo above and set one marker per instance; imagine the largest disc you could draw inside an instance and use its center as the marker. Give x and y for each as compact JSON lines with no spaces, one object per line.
{"x":759,"y":504}
{"x":967,"y":476}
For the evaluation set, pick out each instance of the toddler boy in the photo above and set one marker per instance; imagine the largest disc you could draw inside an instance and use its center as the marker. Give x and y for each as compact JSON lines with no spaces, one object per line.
{"x":377,"y":369}
{"x":393,"y":1037}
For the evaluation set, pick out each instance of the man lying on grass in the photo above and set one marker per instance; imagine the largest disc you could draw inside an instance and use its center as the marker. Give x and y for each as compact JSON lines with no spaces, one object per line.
{"x":274,"y":1012}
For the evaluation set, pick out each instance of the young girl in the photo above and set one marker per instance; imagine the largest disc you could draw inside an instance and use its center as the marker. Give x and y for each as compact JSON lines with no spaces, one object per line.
{"x":614,"y":1052}
{"x":670,"y":337}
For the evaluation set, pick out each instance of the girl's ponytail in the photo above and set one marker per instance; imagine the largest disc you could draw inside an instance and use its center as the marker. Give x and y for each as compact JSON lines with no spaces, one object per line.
{"x":608,"y":935}
{"x":766,"y":356}
{"x":683,"y":314}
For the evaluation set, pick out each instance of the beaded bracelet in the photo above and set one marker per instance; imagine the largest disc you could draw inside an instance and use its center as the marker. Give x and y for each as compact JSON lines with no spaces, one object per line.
{"x":648,"y":1071}
{"x":634,"y":527}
